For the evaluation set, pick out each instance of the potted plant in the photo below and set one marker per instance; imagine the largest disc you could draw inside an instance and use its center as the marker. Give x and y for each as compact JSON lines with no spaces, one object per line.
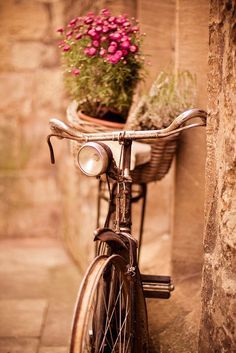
{"x":171,"y":94}
{"x":103,"y":64}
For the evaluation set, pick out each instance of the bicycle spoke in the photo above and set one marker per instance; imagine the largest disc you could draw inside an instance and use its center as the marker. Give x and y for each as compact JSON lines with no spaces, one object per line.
{"x":109,"y":321}
{"x":125,"y":323}
{"x":120,"y":332}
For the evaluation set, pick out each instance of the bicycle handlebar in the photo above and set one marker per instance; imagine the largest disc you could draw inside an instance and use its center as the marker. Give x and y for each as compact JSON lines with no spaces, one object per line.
{"x":62,"y":130}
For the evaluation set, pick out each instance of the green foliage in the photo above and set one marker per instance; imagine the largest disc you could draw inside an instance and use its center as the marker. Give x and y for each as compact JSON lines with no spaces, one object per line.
{"x":170,"y":94}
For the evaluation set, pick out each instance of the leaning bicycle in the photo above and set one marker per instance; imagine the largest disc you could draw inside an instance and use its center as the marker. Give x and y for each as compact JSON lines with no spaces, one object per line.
{"x":110,"y":314}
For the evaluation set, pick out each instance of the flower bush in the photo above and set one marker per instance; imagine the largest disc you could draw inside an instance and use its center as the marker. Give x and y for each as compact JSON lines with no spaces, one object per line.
{"x":171,"y":93}
{"x":103,"y":62}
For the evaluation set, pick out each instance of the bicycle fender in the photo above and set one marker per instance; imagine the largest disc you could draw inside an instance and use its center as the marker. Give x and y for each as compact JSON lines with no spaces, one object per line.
{"x":110,"y":237}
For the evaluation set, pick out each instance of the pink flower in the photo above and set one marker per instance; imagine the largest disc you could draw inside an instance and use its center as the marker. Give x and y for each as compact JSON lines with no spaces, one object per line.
{"x":111,"y":49}
{"x":90,"y":51}
{"x":79,"y":36}
{"x":75,"y":72}
{"x":125,"y":52}
{"x":98,"y":29}
{"x":124,"y":38}
{"x":120,"y":20}
{"x":125,"y":44}
{"x":102,"y":52}
{"x":133,"y":48}
{"x":111,"y":19}
{"x":113,"y":26}
{"x":60,"y":30}
{"x":92,"y":33}
{"x":88,"y":20}
{"x":135,"y":29}
{"x":105,"y":29}
{"x":66,"y":47}
{"x":119,"y":54}
{"x":114,"y":44}
{"x":115,"y":36}
{"x":61,"y":44}
{"x":73,"y":22}
{"x":103,"y":39}
{"x":126,"y":24}
{"x":86,"y":51}
{"x":105,"y":12}
{"x":116,"y":57}
{"x":95,"y":43}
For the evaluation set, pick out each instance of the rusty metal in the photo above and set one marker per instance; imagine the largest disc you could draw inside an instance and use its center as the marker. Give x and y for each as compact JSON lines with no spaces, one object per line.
{"x":62,"y":130}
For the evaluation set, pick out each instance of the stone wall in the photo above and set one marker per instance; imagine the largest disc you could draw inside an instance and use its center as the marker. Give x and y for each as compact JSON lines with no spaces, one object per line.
{"x":188,"y":219}
{"x":219,"y":277}
{"x":31,"y":92}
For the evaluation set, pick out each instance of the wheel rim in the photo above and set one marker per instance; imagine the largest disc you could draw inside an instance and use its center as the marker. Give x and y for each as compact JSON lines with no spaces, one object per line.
{"x":105,"y":327}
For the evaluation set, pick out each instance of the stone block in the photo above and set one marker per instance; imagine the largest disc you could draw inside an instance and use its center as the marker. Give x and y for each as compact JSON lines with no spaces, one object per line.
{"x":57,"y":326}
{"x":16,"y":97}
{"x":33,"y":55}
{"x":24,"y":19}
{"x":24,"y":285}
{"x":53,"y":350}
{"x":24,"y":198}
{"x":21,"y":318}
{"x":19,"y":345}
{"x":5,"y":54}
{"x":48,"y":93}
{"x":44,"y":254}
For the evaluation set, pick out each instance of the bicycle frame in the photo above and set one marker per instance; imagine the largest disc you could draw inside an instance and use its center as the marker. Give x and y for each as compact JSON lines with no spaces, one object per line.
{"x":120,"y":241}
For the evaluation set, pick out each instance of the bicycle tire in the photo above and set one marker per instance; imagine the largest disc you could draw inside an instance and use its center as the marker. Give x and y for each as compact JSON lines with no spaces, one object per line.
{"x":104,"y":318}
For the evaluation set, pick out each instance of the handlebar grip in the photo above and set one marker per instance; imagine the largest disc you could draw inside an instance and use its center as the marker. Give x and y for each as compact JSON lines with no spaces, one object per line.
{"x":59,"y":127}
{"x":184,"y":117}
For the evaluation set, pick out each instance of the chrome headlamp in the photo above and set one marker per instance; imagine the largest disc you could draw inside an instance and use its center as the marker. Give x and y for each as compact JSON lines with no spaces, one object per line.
{"x":94,"y":158}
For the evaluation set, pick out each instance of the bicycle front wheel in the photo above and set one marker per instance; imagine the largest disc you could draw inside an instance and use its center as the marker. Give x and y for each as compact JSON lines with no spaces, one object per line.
{"x":104,"y":317}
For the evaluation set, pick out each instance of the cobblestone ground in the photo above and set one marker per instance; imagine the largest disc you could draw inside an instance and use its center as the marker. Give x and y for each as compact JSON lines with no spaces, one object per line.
{"x":39,"y":283}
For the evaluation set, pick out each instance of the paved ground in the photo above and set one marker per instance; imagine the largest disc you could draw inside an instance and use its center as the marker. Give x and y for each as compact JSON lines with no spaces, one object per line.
{"x":38,"y":286}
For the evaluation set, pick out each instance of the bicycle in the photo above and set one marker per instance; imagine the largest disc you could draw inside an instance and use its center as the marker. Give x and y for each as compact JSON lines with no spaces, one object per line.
{"x":110,"y":314}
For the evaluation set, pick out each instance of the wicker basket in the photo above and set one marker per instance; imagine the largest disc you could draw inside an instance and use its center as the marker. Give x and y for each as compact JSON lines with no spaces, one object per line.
{"x":162,"y":150}
{"x":162,"y":153}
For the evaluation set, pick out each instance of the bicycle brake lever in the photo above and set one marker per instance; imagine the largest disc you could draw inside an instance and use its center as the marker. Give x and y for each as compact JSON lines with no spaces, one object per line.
{"x":52,"y":156}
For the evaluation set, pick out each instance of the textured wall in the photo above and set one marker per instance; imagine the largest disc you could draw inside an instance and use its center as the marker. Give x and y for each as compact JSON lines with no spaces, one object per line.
{"x":219,"y":281}
{"x":188,"y":221}
{"x":31,"y":92}
{"x":157,"y":20}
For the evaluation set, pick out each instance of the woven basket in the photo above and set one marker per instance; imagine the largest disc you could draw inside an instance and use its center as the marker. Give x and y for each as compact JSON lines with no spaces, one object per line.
{"x":162,"y":150}
{"x":162,"y":153}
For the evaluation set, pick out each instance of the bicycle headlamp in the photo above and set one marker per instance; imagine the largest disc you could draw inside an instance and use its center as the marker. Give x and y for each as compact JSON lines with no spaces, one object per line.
{"x":94,"y":158}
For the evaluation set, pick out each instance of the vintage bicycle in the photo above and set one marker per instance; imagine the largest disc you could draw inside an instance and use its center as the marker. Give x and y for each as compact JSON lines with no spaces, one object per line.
{"x":110,"y":314}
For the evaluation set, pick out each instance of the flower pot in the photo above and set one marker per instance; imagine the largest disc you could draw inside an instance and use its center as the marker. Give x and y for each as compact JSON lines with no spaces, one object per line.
{"x":106,"y":123}
{"x":88,"y":124}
